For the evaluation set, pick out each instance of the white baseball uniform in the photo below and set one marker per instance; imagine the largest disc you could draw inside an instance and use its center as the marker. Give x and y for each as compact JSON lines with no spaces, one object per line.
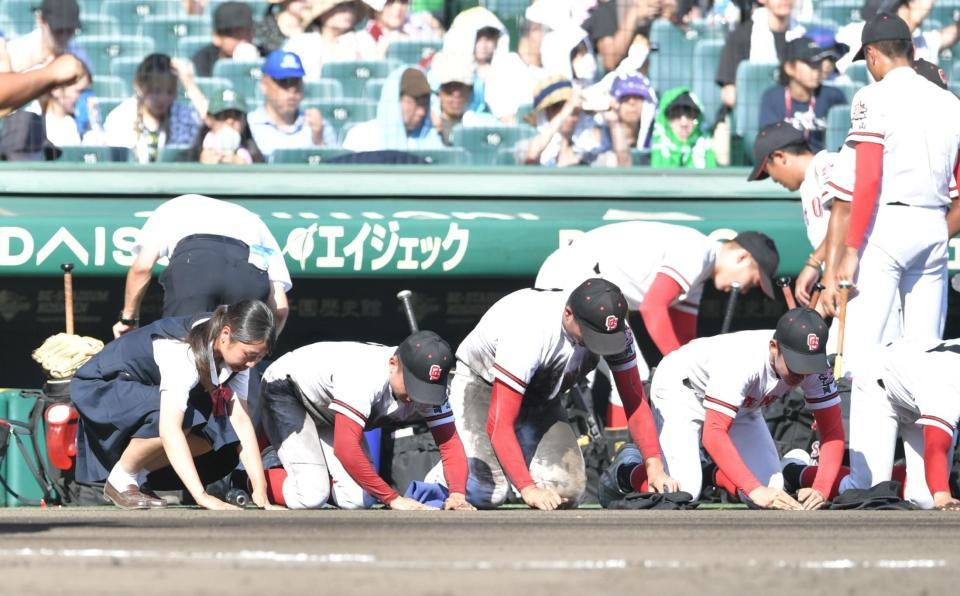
{"x":331,"y":378}
{"x":631,"y":254}
{"x":521,"y":342}
{"x":905,"y":250}
{"x":906,"y":386}
{"x":731,"y":374}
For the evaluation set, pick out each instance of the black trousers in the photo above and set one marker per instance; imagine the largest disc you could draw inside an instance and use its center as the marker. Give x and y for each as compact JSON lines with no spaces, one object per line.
{"x":206,"y":271}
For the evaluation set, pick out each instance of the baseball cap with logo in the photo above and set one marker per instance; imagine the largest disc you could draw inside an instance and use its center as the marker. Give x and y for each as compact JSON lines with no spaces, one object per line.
{"x":804,"y":49}
{"x":426,"y":360}
{"x":61,"y":14}
{"x":232,"y":15}
{"x":601,"y":310}
{"x":631,"y":85}
{"x":884,"y":27}
{"x":802,"y":336}
{"x":281,"y":65}
{"x":226,"y":99}
{"x":931,"y":72}
{"x":772,"y":138}
{"x":764,"y":251}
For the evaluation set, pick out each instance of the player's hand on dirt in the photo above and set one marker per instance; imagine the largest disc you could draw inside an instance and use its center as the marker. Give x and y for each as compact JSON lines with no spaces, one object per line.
{"x":121,"y":328}
{"x":810,"y":498}
{"x":943,"y":501}
{"x":408,"y":504}
{"x":773,"y":498}
{"x":457,"y":502}
{"x":66,"y":69}
{"x":657,"y":479}
{"x":537,"y":497}
{"x":261,"y":500}
{"x":214,"y":504}
{"x":806,"y":280}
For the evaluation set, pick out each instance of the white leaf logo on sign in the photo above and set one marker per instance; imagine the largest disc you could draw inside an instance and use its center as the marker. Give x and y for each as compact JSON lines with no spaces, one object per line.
{"x":300,"y":244}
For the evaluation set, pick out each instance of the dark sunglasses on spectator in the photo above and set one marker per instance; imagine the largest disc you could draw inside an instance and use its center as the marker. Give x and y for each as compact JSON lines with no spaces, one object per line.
{"x":675,"y":112}
{"x":291,"y":83}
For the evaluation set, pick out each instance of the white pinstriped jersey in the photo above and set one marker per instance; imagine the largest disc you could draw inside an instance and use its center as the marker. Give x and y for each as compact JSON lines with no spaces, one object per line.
{"x":732,"y":374}
{"x":921,"y":381}
{"x":350,"y":378}
{"x":918,"y":125}
{"x":631,"y":254}
{"x":520,"y":341}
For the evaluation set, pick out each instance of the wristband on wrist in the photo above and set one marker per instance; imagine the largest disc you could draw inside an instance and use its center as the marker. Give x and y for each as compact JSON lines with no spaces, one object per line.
{"x":133,"y":322}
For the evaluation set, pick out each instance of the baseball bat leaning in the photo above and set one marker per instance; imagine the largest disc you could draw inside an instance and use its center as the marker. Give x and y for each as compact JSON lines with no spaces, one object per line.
{"x":405,"y":297}
{"x":731,"y":306}
{"x":815,"y":297}
{"x":784,"y":283}
{"x":68,"y":295}
{"x":844,"y":295}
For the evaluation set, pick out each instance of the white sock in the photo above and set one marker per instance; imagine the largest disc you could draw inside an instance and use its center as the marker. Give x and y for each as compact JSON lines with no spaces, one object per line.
{"x":120,"y":479}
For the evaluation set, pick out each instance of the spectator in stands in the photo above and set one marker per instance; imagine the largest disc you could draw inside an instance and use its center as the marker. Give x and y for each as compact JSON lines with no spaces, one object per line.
{"x":19,"y":88}
{"x":232,"y":38}
{"x":612,"y":37}
{"x":401,"y":125}
{"x":57,"y":22}
{"x":927,"y":44}
{"x":478,"y":35}
{"x":513,"y":76}
{"x":280,"y":123}
{"x":761,"y":39}
{"x":393,"y":22}
{"x":225,"y":136}
{"x":153,"y":118}
{"x":800,"y":99}
{"x":454,"y":75}
{"x":282,"y":20}
{"x":330,"y":37}
{"x":565,"y":135}
{"x":678,"y":137}
{"x":194,"y":7}
{"x":568,"y":52}
{"x":59,"y":107}
{"x":826,"y":38}
{"x":630,"y":119}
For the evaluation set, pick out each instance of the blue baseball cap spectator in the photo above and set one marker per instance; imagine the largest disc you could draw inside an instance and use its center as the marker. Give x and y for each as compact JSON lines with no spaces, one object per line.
{"x":631,"y":85}
{"x":281,"y":65}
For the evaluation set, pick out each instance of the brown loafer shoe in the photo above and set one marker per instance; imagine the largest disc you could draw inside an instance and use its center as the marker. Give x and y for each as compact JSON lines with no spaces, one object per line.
{"x":129,"y":498}
{"x":153,"y":499}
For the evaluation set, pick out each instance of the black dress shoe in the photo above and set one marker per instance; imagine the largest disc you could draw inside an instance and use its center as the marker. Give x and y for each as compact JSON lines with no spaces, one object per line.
{"x":129,"y":498}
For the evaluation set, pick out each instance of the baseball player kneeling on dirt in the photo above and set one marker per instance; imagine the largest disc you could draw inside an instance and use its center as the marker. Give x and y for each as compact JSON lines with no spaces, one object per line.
{"x":529,"y":348}
{"x":320,"y":398}
{"x":905,"y":388}
{"x":717,"y":387}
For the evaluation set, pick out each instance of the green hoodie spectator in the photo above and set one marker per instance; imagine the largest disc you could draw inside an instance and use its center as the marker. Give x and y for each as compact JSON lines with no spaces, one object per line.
{"x":678,"y":137}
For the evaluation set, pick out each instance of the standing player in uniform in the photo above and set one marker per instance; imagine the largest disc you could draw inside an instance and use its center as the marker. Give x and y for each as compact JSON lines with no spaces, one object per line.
{"x":907,"y":389}
{"x":661,"y":269}
{"x":717,"y":386}
{"x":531,"y":346}
{"x":320,"y":398}
{"x":219,"y":253}
{"x":906,"y":135}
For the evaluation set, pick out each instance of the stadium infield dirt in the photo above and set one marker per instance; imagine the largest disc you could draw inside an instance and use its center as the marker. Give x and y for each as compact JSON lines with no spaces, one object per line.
{"x":495,"y":553}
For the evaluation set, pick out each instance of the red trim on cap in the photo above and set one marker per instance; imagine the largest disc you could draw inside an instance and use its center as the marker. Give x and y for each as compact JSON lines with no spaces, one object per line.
{"x":763,"y":168}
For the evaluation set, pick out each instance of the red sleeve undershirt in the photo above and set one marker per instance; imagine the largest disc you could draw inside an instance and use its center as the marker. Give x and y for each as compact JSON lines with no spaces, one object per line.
{"x":830,"y":427}
{"x":716,"y":440}
{"x":866,"y":191}
{"x":347,"y":436}
{"x":452,"y":455}
{"x":504,"y":411}
{"x":936,"y":464}
{"x":639,"y":416}
{"x":659,"y":318}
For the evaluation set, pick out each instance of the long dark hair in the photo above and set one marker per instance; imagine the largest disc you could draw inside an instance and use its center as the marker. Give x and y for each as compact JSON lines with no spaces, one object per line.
{"x":250,"y":321}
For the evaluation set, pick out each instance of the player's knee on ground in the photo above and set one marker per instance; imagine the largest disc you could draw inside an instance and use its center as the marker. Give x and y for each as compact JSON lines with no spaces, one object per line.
{"x":306,"y":486}
{"x":485,"y":489}
{"x":558,"y":464}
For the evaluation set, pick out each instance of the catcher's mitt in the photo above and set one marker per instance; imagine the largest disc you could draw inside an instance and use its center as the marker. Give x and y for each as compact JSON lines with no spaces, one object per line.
{"x":62,"y":354}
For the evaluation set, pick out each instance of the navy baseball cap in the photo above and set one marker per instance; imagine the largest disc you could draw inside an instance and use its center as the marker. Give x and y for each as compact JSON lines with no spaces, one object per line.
{"x":601,"y":310}
{"x":884,"y":27}
{"x":281,"y":65}
{"x":426,"y":360}
{"x":802,"y":336}
{"x":931,"y":72}
{"x":804,"y":49}
{"x":771,"y":138}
